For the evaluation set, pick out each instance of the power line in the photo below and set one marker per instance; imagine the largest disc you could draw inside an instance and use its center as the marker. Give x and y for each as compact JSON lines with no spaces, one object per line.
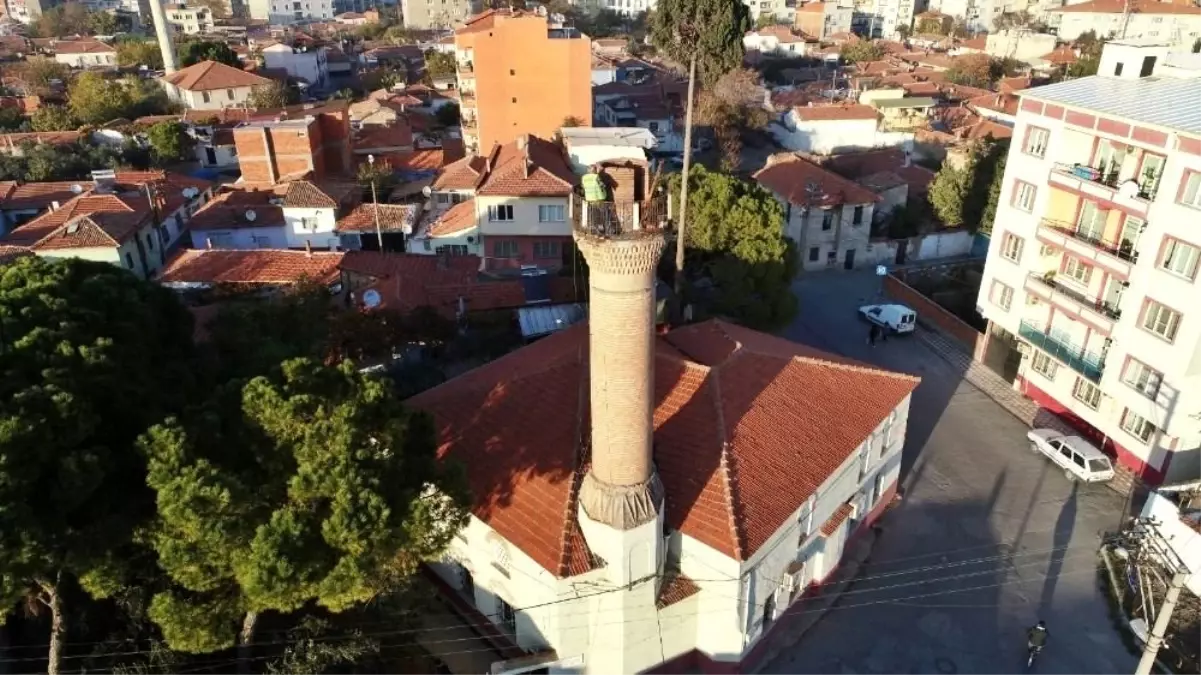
{"x":1088,"y":569}
{"x":469,"y":624}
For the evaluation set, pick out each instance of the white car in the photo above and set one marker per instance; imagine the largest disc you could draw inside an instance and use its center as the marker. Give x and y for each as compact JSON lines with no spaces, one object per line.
{"x":1079,"y":459}
{"x":893,"y":318}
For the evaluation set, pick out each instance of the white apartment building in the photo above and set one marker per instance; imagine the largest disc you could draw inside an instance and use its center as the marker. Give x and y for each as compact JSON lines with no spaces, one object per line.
{"x":1093,"y":267}
{"x":782,"y":10}
{"x":1175,"y":24}
{"x":882,"y":18}
{"x":189,"y":20}
{"x":291,"y":11}
{"x":308,"y":64}
{"x":430,"y":14}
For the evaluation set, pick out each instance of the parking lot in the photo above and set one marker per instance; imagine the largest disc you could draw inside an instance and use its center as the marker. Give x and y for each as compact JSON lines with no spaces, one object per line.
{"x":988,"y":538}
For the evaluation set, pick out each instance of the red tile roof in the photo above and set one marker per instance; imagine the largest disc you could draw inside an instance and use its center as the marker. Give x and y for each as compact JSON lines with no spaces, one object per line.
{"x":86,"y":204}
{"x":210,"y":75}
{"x":11,"y":253}
{"x":1011,"y":84}
{"x":38,"y":137}
{"x":540,"y":169}
{"x":256,"y":266}
{"x":737,"y":460}
{"x":979,"y":43}
{"x":837,"y":519}
{"x":419,"y":160}
{"x":791,"y":177}
{"x":1062,"y":55}
{"x":458,"y":218}
{"x":374,"y":136}
{"x":303,"y":194}
{"x":1002,"y":103}
{"x":231,"y":209}
{"x":84,"y":47}
{"x":463,"y":174}
{"x":14,"y":196}
{"x":835,"y":112}
{"x":392,"y":218}
{"x":985,"y":128}
{"x":676,"y":587}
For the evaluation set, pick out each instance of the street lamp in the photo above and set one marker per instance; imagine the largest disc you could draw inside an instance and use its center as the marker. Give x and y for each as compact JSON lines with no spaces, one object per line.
{"x":379,"y":233}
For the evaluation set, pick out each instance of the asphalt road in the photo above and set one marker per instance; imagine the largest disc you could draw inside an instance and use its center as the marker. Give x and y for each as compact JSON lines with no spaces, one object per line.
{"x":987,"y":539}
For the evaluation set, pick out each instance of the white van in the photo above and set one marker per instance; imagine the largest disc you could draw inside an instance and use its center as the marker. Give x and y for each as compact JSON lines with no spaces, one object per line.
{"x":894,"y":318}
{"x":1079,"y":459}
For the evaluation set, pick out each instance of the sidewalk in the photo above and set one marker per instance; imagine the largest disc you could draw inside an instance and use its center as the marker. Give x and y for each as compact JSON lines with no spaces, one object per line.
{"x":806,"y":612}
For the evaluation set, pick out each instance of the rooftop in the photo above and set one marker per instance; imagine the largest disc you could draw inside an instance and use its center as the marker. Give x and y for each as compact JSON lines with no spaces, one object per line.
{"x":804,"y":183}
{"x":906,"y":102}
{"x":210,"y":75}
{"x":242,"y":207}
{"x":1136,"y":7}
{"x":737,"y":460}
{"x":828,"y":113}
{"x":625,"y":137}
{"x":84,"y":47}
{"x":1165,"y":102}
{"x":256,"y":266}
{"x":392,"y":218}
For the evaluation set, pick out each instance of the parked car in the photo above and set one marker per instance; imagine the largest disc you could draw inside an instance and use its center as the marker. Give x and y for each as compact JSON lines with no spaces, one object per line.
{"x":1080,"y":459}
{"x":894,"y":318}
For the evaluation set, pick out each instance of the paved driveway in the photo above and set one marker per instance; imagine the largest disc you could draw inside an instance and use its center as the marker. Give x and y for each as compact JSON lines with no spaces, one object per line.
{"x":987,"y":540}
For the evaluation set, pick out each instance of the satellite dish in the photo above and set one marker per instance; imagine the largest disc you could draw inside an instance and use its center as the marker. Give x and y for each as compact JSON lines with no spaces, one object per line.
{"x":427,"y":190}
{"x":251,"y":215}
{"x":190,"y":192}
{"x":77,"y":188}
{"x":1128,"y":189}
{"x":371,"y":298}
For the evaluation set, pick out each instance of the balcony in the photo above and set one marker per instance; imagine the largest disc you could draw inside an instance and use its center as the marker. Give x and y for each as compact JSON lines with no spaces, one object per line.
{"x":467,"y":99}
{"x":620,"y":219}
{"x":1098,"y":313}
{"x":1087,"y":363}
{"x":466,"y":68}
{"x":469,"y":123}
{"x":1106,"y":184}
{"x":1117,"y":257}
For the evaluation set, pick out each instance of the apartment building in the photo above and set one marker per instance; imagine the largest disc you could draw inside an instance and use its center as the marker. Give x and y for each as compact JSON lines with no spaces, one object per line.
{"x":783,"y":11}
{"x":189,"y":20}
{"x":882,"y":18}
{"x":1176,"y":23}
{"x":519,"y":74}
{"x":1092,"y":270}
{"x":824,"y":18}
{"x":434,"y":14}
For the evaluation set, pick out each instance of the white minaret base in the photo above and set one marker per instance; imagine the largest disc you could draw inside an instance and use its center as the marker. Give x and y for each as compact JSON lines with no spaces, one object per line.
{"x":623,"y":623}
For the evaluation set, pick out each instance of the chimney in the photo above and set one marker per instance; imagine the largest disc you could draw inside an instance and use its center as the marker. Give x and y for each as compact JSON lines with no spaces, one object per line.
{"x":308,"y":248}
{"x":54,"y":206}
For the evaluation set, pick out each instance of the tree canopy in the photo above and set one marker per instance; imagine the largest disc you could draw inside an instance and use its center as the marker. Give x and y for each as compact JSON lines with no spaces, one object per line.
{"x":439,"y":64}
{"x":195,"y":51}
{"x":314,"y":484}
{"x":960,"y":192}
{"x":170,"y":142}
{"x":90,"y":357}
{"x":94,"y":99}
{"x":710,"y":30}
{"x":73,"y":18}
{"x":972,"y":70}
{"x":135,"y":53}
{"x":736,"y":238}
{"x":859,"y":51}
{"x":733,"y":106}
{"x":53,"y":118}
{"x":44,"y":161}
{"x":272,"y":95}
{"x":39,"y":72}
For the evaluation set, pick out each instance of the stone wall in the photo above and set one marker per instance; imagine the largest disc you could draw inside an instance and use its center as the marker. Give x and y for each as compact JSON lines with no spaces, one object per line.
{"x":930,"y":313}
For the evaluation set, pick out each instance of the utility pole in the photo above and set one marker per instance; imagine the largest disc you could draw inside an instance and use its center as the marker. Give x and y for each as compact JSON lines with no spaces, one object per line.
{"x":1155,"y":640}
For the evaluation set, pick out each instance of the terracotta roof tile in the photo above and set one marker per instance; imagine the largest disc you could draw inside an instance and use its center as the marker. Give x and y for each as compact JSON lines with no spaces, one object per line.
{"x":676,"y":587}
{"x":11,"y":253}
{"x":836,"y":112}
{"x":41,"y":195}
{"x":419,"y":160}
{"x":791,"y":178}
{"x":230,"y":210}
{"x":210,"y":75}
{"x":1062,"y":55}
{"x":458,"y":218}
{"x":463,"y":174}
{"x":538,"y":170}
{"x":47,"y":137}
{"x":377,"y":136}
{"x":837,"y":519}
{"x":303,"y":194}
{"x":1003,"y":103}
{"x":84,"y":47}
{"x":392,"y":218}
{"x":736,"y":455}
{"x":86,"y":204}
{"x":256,"y":266}
{"x":1011,"y":84}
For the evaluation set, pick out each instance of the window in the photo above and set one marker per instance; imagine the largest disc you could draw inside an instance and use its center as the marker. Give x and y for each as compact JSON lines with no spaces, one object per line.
{"x":512,"y":72}
{"x":427,"y":245}
{"x":501,"y":213}
{"x":129,"y":261}
{"x":1011,"y":247}
{"x":1180,"y":258}
{"x":1036,"y":141}
{"x":149,"y":242}
{"x":1142,"y":378}
{"x":450,"y":249}
{"x":1046,"y":251}
{"x":204,"y":95}
{"x":1043,"y":365}
{"x":1023,"y":196}
{"x":1117,"y":70}
{"x":1161,"y":320}
{"x":508,"y":617}
{"x":550,"y":214}
{"x":1087,"y":393}
{"x":857,"y":216}
{"x":514,"y":99}
{"x":1135,"y":425}
{"x":1002,"y":295}
{"x":308,"y":223}
{"x":814,"y":253}
{"x":1090,"y":223}
{"x":504,"y":249}
{"x":546,"y":249}
{"x":827,"y":220}
{"x":1191,"y":194}
{"x":500,"y":557}
{"x":1077,"y":269}
{"x":769,"y":609}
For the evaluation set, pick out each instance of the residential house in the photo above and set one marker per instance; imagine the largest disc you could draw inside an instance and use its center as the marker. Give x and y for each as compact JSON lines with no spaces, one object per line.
{"x":520,"y":194}
{"x":1092,"y":272}
{"x":210,"y":85}
{"x":307,"y":64}
{"x":611,"y":46}
{"x":882,"y":18}
{"x":824,"y":19}
{"x":256,"y":269}
{"x":1019,"y":43}
{"x":215,"y":147}
{"x":901,"y":113}
{"x":284,"y":12}
{"x":778,"y":40}
{"x":86,"y":54}
{"x":649,"y":109}
{"x":187,"y":20}
{"x":1001,"y":108}
{"x":375,"y":227}
{"x":312,"y":140}
{"x":782,"y":11}
{"x":15,"y":144}
{"x":297,"y":214}
{"x":431,"y":14}
{"x":828,"y":216}
{"x":828,"y":129}
{"x":520,"y":74}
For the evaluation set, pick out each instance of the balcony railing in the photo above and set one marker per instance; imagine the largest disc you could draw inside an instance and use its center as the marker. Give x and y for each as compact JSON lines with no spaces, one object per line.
{"x":1087,"y":363}
{"x":618,"y":219}
{"x":1100,"y":175}
{"x":1109,"y":309}
{"x":469,"y":123}
{"x":1123,"y":250}
{"x":466,"y":68}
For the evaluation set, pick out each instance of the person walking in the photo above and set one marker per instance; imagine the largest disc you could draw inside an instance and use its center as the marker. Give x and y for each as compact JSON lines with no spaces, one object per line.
{"x":872,"y":334}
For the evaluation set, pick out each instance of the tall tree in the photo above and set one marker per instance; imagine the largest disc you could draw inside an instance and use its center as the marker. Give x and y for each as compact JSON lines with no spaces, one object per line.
{"x":271,"y":96}
{"x":859,"y":51}
{"x":707,"y":36}
{"x":135,"y":53}
{"x":53,"y":118}
{"x":195,"y":51}
{"x":93,"y":99}
{"x":70,"y":18}
{"x":439,"y":64}
{"x":960,"y":190}
{"x":737,"y":241}
{"x":733,"y":106}
{"x":972,"y":70}
{"x":170,"y":142}
{"x":315,"y":484}
{"x":39,"y":73}
{"x":90,"y":357}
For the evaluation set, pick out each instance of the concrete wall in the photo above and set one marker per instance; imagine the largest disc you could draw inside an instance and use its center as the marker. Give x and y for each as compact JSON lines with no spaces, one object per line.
{"x":525,"y":217}
{"x":930,"y":312}
{"x":1020,"y":45}
{"x":828,"y":137}
{"x":311,"y":66}
{"x":217,"y":99}
{"x":1182,"y":539}
{"x":97,"y":60}
{"x":319,"y":236}
{"x":267,"y":153}
{"x":920,"y":248}
{"x":427,"y":14}
{"x":241,"y":238}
